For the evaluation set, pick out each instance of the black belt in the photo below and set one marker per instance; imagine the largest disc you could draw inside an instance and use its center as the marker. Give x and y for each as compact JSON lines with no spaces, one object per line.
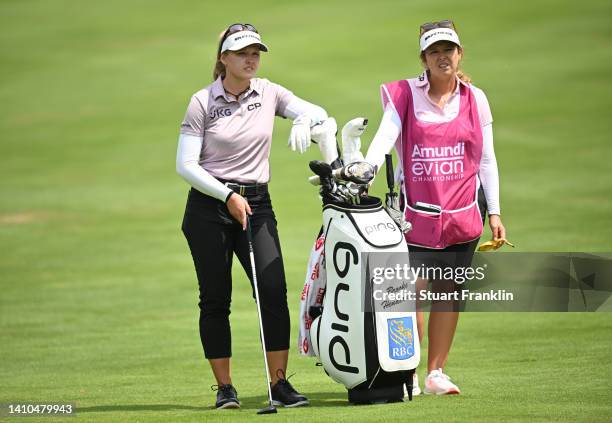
{"x":252,"y":189}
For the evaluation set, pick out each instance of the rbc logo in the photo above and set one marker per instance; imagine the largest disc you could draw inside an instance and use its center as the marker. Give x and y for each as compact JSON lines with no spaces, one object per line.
{"x":401,"y":338}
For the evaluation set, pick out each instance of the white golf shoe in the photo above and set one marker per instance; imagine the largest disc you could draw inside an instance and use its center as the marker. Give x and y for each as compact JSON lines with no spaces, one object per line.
{"x":416,"y":390}
{"x":437,"y":383}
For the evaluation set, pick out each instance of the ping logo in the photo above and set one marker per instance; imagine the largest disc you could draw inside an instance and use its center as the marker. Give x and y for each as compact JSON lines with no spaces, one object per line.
{"x":340,"y":325}
{"x":401,"y":338}
{"x":378,"y":227}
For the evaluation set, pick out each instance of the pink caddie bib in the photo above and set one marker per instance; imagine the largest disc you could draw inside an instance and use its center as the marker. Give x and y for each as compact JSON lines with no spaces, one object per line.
{"x":440,"y":163}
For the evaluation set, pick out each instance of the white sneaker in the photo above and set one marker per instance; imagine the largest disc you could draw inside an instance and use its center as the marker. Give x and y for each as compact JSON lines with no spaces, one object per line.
{"x":416,"y":391}
{"x":437,"y":383}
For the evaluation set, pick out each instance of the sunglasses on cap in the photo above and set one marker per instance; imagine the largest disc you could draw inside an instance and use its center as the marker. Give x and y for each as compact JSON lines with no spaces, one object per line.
{"x":237,"y":27}
{"x":234,"y":28}
{"x":428,"y":26}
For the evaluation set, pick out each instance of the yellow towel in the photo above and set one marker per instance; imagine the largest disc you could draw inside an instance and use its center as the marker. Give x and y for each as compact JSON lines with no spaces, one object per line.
{"x":494,"y":244}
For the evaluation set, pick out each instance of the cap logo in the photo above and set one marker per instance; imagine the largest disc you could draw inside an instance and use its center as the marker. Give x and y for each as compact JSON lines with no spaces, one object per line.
{"x":441,"y":32}
{"x":246,"y":36}
{"x":438,"y":34}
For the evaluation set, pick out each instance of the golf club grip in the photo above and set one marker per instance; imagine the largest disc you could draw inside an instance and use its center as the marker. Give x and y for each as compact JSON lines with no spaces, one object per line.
{"x":249,"y":234}
{"x":389,"y":166}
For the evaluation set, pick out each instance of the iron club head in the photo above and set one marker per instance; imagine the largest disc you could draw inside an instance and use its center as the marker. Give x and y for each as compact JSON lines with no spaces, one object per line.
{"x":270,"y":409}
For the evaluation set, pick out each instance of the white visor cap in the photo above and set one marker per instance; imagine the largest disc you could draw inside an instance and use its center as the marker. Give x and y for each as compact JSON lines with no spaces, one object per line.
{"x":242,"y":39}
{"x":438,"y":34}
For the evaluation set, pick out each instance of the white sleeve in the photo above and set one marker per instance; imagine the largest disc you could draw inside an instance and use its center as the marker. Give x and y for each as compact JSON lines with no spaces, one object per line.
{"x":385,"y":138}
{"x":188,"y":166}
{"x":298,"y":107}
{"x":488,"y":174}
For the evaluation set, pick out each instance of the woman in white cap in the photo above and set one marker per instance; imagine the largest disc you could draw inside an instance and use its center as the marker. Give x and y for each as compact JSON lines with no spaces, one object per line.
{"x":441,"y":127}
{"x":223,"y":153}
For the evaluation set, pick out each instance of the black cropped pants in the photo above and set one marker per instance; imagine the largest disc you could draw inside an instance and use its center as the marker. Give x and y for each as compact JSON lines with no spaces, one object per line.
{"x":214,"y":237}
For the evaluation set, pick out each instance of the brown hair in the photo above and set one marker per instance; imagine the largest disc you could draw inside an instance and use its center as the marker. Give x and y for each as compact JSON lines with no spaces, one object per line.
{"x":219,"y":68}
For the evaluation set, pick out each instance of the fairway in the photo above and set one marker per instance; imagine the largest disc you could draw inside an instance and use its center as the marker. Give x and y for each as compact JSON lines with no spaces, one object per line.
{"x":98,"y":295}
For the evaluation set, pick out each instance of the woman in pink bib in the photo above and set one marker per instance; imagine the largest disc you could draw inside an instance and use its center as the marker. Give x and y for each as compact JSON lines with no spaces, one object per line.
{"x":441,"y":127}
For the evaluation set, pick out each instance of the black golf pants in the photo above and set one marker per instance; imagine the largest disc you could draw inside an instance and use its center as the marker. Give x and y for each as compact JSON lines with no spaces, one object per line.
{"x":214,"y":237}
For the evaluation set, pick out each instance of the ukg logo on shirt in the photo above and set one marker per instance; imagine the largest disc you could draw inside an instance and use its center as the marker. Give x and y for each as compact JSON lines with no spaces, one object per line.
{"x":438,"y":163}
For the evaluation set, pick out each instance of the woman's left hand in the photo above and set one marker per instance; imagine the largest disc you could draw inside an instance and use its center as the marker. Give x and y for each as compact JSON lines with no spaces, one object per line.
{"x":497,"y":228}
{"x":299,"y":138}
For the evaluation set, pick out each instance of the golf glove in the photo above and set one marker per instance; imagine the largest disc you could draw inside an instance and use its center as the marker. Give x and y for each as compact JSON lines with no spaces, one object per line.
{"x":299,"y":138}
{"x":494,"y":244}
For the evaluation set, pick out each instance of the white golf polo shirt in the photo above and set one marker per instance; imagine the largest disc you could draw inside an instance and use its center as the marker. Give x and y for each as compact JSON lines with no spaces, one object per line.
{"x":236,"y":132}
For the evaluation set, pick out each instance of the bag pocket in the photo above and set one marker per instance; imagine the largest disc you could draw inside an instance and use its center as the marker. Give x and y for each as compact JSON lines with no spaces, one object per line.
{"x":426,"y":228}
{"x":462,"y":226}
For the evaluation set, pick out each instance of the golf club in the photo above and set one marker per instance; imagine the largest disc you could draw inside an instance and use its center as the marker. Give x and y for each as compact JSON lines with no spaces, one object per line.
{"x":270,"y":409}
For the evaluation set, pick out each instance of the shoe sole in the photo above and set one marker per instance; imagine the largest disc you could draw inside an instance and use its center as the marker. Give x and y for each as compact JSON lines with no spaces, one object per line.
{"x":451,"y":392}
{"x":297,"y":404}
{"x":229,"y":405}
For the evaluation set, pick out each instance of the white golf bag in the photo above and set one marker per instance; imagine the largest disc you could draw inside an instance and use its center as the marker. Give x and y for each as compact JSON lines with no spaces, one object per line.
{"x":371,"y":347}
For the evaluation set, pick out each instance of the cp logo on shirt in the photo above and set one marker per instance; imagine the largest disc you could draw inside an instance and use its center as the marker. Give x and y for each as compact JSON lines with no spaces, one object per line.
{"x":253,"y":106}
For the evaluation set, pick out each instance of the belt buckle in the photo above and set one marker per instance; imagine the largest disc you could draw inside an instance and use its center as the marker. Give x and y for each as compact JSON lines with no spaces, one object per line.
{"x":242,"y":190}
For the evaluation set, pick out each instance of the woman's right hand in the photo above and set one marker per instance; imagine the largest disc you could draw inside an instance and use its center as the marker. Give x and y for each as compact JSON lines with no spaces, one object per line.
{"x":238,"y":207}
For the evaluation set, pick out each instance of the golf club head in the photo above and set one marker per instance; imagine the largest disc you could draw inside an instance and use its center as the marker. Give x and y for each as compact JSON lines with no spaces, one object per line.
{"x":270,"y":409}
{"x":320,"y":168}
{"x":324,"y":171}
{"x":358,"y":172}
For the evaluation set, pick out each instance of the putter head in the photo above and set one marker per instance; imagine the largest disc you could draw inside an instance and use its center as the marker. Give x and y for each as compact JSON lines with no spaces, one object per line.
{"x":270,"y":409}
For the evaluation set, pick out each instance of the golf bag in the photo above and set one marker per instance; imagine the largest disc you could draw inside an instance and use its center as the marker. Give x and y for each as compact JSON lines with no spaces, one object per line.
{"x":369,"y":346}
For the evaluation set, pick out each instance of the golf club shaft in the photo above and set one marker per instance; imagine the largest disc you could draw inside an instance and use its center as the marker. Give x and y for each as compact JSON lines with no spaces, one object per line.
{"x":261,"y":332}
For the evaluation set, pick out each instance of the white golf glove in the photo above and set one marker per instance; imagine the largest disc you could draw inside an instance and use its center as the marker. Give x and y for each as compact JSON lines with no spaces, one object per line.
{"x":351,"y":140}
{"x":324,"y":134}
{"x":299,"y":138}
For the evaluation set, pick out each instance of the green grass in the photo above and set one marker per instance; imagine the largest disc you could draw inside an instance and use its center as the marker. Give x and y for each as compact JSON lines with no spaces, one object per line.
{"x":98,"y":302}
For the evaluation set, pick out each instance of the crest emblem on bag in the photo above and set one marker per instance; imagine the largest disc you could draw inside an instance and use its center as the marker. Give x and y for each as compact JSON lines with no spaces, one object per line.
{"x":401,"y":339}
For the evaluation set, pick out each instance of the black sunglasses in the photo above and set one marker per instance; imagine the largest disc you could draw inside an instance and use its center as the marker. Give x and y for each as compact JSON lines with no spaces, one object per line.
{"x":428,"y":26}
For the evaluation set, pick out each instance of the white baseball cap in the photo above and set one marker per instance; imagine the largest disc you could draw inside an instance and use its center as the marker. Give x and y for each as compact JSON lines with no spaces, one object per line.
{"x":439,"y":34}
{"x":242,"y":39}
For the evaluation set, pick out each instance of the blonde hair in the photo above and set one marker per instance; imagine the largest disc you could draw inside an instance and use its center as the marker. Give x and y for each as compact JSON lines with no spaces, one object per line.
{"x":464,"y":77}
{"x":219,"y":68}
